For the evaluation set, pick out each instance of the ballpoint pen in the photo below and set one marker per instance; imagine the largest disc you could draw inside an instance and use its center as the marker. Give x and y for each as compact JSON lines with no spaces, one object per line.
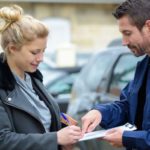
{"x":65,"y":119}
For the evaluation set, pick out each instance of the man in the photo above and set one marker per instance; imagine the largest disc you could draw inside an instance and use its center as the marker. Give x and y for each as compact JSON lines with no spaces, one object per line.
{"x":133,"y":18}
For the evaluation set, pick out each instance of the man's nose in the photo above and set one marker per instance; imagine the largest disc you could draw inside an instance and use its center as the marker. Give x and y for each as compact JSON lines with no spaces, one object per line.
{"x":125,"y":41}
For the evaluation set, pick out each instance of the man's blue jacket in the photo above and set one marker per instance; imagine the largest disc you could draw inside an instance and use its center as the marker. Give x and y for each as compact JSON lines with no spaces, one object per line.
{"x":120,"y":112}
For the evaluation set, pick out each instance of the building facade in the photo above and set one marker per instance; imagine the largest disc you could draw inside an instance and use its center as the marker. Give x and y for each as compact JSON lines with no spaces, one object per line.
{"x":90,"y":24}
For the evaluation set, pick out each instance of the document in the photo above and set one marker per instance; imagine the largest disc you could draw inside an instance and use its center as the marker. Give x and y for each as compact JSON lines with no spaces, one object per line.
{"x":93,"y":135}
{"x":101,"y":133}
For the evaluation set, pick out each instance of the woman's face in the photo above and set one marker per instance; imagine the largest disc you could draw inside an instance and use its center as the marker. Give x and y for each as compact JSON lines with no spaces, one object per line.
{"x":28,"y":57}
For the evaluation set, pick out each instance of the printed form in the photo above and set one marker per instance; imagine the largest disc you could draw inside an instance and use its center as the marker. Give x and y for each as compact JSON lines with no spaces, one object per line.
{"x":101,"y":133}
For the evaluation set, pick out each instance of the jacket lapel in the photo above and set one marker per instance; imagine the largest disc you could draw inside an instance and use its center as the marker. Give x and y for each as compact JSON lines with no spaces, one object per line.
{"x":140,"y":73}
{"x":18,"y":100}
{"x":12,"y":95}
{"x":50,"y":99}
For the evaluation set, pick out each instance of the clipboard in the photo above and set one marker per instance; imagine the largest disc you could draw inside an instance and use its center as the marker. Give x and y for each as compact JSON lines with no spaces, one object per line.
{"x":102,"y":133}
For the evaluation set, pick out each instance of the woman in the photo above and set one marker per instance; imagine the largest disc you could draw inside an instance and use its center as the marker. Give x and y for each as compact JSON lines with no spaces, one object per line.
{"x":29,"y":118}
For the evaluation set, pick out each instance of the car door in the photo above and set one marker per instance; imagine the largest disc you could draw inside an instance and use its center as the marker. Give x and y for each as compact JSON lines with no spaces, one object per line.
{"x":122,"y":73}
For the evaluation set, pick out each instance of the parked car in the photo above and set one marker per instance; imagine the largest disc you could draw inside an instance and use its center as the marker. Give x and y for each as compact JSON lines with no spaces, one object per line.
{"x":59,"y":80}
{"x":51,"y":71}
{"x":101,"y":81}
{"x":60,"y":89}
{"x":115,"y":42}
{"x":60,"y":84}
{"x":82,"y":58}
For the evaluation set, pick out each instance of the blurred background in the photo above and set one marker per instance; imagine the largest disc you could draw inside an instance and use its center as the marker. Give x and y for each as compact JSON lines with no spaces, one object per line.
{"x":84,"y":63}
{"x":88,"y":24}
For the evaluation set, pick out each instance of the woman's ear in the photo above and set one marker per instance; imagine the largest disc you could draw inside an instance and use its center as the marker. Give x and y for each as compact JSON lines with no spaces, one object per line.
{"x":11,"y":48}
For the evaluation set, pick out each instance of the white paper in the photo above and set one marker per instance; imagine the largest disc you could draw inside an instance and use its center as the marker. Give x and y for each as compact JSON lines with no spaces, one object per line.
{"x":101,"y":133}
{"x":93,"y":135}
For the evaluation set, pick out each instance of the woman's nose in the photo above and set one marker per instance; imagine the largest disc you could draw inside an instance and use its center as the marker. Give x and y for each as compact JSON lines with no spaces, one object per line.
{"x":40,"y":57}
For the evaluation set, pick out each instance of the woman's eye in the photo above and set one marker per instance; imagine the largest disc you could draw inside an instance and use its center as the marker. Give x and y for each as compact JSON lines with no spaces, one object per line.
{"x":34,"y":53}
{"x":37,"y":52}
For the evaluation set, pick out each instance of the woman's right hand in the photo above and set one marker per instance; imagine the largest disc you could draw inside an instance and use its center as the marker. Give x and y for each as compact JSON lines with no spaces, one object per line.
{"x":69,"y":135}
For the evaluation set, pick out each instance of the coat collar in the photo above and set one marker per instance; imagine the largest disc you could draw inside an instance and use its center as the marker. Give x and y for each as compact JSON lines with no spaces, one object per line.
{"x":7,"y":80}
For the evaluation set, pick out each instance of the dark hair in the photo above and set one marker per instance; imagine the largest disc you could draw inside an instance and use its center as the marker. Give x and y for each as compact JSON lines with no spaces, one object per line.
{"x":138,"y":11}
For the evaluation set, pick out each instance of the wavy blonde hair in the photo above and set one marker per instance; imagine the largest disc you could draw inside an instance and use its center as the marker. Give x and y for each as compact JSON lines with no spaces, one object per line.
{"x":17,"y":28}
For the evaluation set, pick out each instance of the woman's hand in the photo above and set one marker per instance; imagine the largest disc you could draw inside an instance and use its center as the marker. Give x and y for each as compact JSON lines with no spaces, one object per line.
{"x":69,"y":135}
{"x":68,"y":147}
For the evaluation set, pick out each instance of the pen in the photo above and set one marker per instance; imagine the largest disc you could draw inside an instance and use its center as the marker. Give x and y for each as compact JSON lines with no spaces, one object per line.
{"x":65,"y":118}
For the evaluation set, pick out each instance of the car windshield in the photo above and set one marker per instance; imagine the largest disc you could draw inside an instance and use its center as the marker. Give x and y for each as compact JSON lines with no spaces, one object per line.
{"x":91,"y":75}
{"x":62,"y":85}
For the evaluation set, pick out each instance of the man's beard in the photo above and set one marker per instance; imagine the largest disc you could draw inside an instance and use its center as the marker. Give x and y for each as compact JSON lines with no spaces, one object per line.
{"x":142,"y":50}
{"x":132,"y":47}
{"x":137,"y":50}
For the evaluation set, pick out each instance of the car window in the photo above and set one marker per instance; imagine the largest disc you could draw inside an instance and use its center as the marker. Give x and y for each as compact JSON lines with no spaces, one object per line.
{"x":96,"y":71}
{"x":123,"y":73}
{"x":91,"y":75}
{"x":44,"y":66}
{"x":62,"y":85}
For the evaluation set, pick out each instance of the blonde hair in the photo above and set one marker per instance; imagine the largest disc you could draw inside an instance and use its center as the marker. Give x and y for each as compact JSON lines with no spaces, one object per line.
{"x":17,"y":28}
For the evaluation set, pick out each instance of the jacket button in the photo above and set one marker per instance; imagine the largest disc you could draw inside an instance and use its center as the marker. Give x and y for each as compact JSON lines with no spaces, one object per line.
{"x":9,"y":99}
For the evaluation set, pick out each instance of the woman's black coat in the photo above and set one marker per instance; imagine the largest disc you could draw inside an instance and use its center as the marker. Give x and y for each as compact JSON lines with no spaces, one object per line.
{"x":20,"y":126}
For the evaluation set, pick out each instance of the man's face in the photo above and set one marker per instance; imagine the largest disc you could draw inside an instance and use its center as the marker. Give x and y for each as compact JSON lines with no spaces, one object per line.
{"x":137,"y":41}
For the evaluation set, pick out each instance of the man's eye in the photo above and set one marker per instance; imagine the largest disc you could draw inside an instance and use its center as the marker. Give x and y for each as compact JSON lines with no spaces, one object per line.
{"x":127,"y":33}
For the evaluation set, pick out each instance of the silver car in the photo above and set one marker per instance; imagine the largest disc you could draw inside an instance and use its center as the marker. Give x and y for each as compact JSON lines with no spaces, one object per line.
{"x":101,"y":81}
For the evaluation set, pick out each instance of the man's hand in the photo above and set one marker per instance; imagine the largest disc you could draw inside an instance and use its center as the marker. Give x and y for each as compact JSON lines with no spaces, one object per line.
{"x":91,"y":120}
{"x":114,"y":137}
